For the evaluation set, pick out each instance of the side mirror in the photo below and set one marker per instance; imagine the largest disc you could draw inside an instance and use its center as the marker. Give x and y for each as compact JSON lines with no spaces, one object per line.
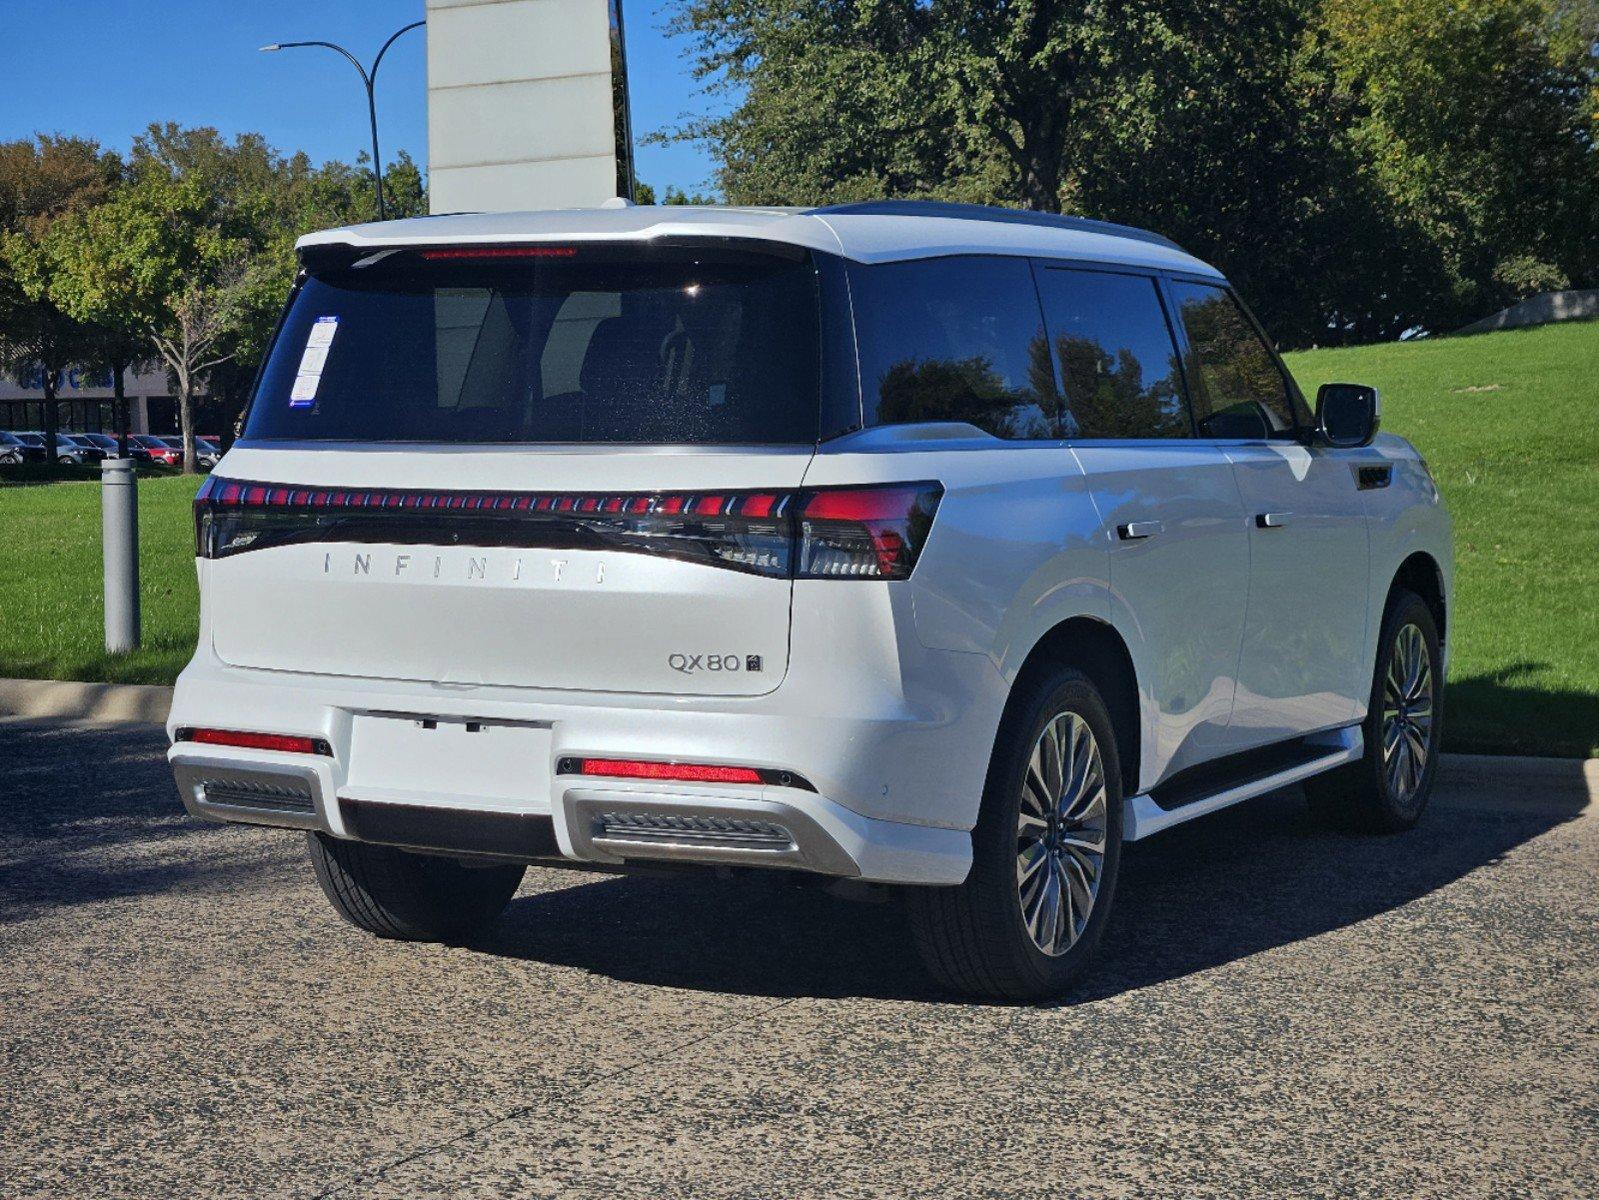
{"x":1348,"y":415}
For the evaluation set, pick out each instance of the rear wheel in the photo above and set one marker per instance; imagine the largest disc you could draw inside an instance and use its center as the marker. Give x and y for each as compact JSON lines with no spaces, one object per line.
{"x":413,"y":897}
{"x":1387,"y":790}
{"x":1045,"y":853}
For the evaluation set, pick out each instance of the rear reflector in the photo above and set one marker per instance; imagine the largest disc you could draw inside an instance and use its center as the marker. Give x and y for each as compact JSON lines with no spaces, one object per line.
{"x":872,"y":532}
{"x":678,"y":772}
{"x":287,"y":743}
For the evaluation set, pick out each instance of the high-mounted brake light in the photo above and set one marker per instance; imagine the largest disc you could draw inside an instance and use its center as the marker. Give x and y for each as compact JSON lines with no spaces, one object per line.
{"x":678,"y":772}
{"x":874,"y":532}
{"x":287,"y":743}
{"x":482,"y":252}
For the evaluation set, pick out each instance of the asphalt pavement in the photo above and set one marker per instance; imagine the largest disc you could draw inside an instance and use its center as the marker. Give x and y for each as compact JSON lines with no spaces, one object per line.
{"x":1279,"y":1010}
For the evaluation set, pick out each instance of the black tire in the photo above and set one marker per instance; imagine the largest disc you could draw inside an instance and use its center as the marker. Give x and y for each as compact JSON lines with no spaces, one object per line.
{"x":1363,"y":796}
{"x":412,"y":897}
{"x":974,"y":937}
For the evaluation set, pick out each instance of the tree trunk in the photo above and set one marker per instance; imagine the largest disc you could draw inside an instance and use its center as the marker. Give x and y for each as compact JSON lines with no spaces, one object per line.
{"x":119,"y":407}
{"x":186,"y":421}
{"x":52,"y":419}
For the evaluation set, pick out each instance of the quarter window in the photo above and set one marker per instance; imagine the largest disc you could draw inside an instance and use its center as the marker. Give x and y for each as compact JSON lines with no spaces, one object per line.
{"x":1118,"y":363}
{"x":1244,"y":392}
{"x":954,"y":339}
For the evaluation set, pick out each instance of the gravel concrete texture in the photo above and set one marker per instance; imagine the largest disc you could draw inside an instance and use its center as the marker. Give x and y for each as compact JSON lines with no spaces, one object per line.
{"x":1280,"y":1010}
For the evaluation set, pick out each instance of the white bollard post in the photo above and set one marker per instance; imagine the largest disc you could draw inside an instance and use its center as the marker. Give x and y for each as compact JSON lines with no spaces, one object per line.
{"x":119,"y":535}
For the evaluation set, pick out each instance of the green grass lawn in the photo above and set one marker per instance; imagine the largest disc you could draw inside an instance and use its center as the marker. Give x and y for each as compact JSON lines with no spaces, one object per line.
{"x":1508,"y":421}
{"x":52,"y":617}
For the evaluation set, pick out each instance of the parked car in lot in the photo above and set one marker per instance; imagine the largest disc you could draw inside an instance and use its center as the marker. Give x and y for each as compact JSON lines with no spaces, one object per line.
{"x":926,"y":546}
{"x":158,"y":449}
{"x":206,"y":452}
{"x":14,"y":450}
{"x":106,"y":443}
{"x":40,"y":444}
{"x":82,"y":448}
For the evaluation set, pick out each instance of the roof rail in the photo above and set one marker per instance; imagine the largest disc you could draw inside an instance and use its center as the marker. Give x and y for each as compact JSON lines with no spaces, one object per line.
{"x":984,"y":212}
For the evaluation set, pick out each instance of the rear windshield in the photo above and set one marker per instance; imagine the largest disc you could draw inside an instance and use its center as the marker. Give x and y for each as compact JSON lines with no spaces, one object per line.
{"x":603,"y":344}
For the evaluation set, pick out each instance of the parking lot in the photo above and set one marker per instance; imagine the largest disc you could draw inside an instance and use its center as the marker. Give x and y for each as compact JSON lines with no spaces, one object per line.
{"x":1280,"y":1010}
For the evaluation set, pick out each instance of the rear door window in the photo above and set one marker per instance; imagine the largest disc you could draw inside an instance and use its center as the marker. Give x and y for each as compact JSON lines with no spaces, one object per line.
{"x":954,"y":339}
{"x":1120,"y":372}
{"x":1241,"y":391}
{"x":594,"y":345}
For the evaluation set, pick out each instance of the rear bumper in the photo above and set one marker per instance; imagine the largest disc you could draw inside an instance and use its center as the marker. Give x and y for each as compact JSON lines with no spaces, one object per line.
{"x":898,"y":771}
{"x":596,"y":822}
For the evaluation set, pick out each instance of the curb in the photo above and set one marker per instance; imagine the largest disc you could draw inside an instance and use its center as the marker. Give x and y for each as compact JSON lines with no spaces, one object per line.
{"x":68,"y":700}
{"x":148,"y":704}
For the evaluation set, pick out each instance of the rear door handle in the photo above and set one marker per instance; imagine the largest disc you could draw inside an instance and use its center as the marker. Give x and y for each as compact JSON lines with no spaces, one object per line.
{"x":1137,"y":531}
{"x":1271,"y":520}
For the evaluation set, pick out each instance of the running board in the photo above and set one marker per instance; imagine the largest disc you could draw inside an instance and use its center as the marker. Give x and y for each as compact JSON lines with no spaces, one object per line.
{"x":1145,"y":817}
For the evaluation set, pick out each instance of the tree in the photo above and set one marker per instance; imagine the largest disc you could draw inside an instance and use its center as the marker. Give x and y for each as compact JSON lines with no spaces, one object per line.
{"x":262,"y":201}
{"x":1360,"y":168}
{"x":43,"y":181}
{"x":155,"y":255}
{"x":1476,"y":122}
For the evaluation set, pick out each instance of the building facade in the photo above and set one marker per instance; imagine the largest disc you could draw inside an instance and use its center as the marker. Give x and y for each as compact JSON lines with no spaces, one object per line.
{"x":84,"y":402}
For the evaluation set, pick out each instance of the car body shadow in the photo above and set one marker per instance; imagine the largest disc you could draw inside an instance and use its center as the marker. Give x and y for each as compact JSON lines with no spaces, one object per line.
{"x":1246,"y":880}
{"x":89,"y":813}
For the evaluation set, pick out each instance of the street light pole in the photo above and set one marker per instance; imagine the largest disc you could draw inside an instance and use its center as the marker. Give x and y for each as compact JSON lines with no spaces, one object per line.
{"x":369,"y":79}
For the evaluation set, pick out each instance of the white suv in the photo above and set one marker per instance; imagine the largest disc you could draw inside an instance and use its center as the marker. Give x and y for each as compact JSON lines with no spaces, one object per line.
{"x":899,"y":544}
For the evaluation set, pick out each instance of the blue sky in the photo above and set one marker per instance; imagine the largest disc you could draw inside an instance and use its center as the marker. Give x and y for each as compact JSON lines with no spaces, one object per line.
{"x":107,"y":68}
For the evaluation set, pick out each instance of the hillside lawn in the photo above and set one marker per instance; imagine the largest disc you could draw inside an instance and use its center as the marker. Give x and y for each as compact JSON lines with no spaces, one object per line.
{"x":1509,"y":423}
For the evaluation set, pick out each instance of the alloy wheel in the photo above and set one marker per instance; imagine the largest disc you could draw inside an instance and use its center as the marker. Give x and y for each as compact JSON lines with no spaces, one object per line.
{"x":1061,"y":834}
{"x":1407,"y":714}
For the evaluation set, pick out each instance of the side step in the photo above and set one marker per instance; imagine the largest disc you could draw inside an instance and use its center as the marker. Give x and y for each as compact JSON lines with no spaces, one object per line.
{"x":1230,"y":781}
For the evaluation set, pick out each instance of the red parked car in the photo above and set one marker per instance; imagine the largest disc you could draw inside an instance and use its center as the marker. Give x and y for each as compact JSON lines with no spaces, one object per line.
{"x":158,"y":449}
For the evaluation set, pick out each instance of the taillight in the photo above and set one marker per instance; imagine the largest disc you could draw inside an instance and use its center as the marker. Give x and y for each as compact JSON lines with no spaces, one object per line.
{"x":679,"y":772}
{"x":284,"y":742}
{"x":865,"y":533}
{"x":872,"y":532}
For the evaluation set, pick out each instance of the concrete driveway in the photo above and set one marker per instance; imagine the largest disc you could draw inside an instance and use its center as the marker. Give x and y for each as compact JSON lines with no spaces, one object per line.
{"x":1281,"y":1011}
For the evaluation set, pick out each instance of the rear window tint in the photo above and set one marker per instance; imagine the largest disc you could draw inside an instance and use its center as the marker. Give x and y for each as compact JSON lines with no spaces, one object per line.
{"x":954,"y":339}
{"x":663,"y":346}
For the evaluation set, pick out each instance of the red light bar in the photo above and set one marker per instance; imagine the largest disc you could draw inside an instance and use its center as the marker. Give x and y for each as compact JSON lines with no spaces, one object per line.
{"x":863,"y":504}
{"x":632,"y":768}
{"x":288,"y":743}
{"x":501,"y":252}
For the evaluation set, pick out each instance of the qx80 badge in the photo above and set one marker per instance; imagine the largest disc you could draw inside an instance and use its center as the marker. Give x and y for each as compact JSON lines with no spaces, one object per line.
{"x":693,"y":664}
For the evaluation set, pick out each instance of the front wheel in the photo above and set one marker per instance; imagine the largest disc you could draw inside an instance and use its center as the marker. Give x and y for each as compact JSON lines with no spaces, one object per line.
{"x":1388,"y":789}
{"x":413,"y":897}
{"x":1045,"y":852}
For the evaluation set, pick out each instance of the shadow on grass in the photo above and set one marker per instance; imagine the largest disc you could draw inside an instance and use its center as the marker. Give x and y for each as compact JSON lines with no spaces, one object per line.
{"x":1503,"y":713}
{"x":1243,"y":881}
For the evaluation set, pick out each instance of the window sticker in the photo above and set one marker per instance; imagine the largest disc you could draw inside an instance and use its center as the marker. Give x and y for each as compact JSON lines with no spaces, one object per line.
{"x":312,"y":362}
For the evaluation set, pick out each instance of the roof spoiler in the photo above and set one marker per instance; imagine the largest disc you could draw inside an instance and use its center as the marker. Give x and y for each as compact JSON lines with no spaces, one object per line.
{"x":984,"y":212}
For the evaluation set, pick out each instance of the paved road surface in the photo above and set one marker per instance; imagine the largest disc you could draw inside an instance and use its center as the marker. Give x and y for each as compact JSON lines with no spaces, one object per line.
{"x":1281,"y":1011}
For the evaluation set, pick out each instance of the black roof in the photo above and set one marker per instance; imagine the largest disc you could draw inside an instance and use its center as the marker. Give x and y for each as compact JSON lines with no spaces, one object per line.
{"x":984,"y":212}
